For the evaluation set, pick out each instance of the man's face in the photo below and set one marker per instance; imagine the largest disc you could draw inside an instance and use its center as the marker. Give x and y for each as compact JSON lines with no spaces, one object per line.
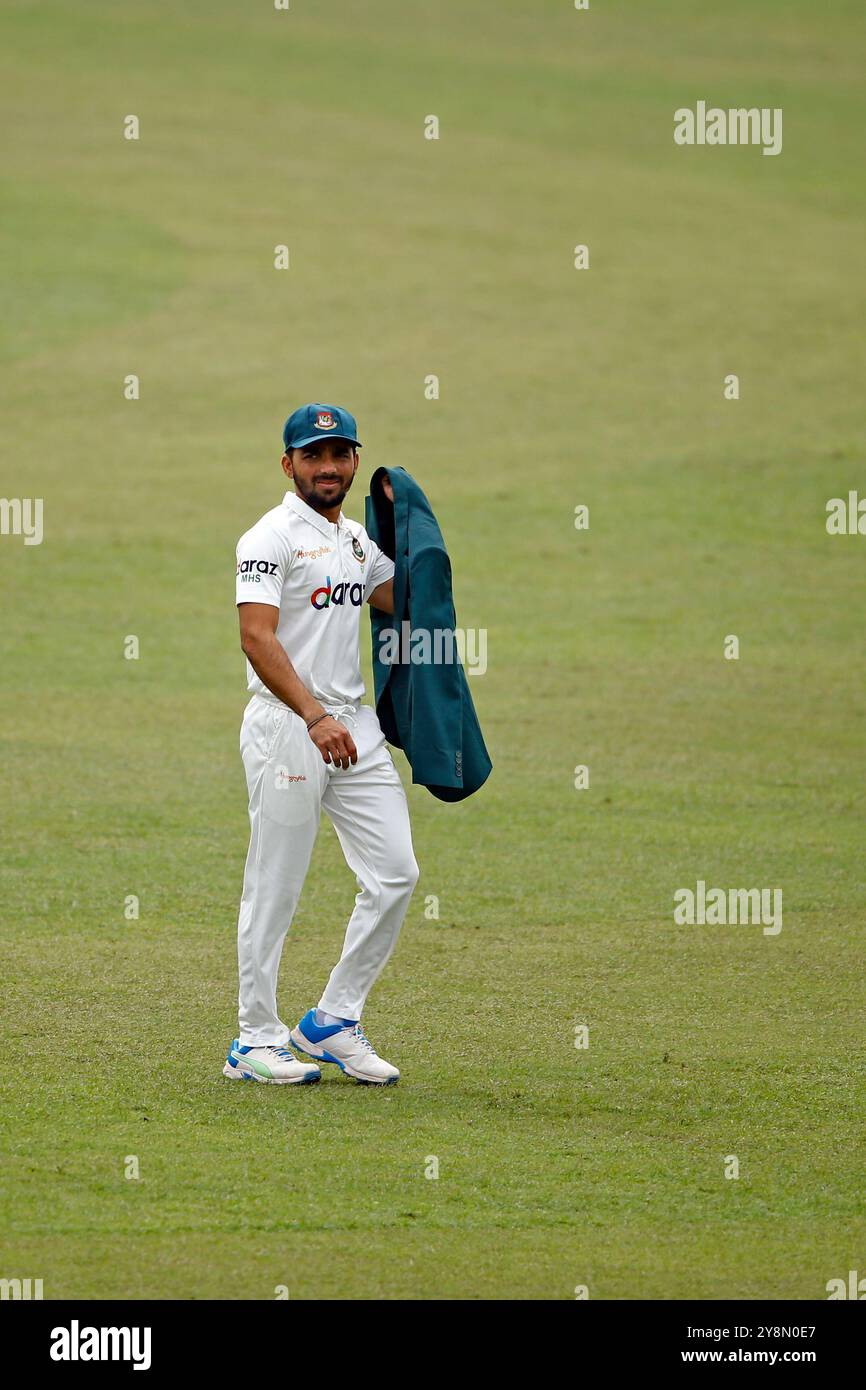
{"x":322,"y":472}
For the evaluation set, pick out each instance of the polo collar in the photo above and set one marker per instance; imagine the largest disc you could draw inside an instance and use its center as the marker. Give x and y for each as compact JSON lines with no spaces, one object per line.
{"x":321,"y":523}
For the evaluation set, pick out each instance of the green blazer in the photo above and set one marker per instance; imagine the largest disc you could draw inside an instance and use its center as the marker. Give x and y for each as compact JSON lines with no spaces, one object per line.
{"x":424,"y":707}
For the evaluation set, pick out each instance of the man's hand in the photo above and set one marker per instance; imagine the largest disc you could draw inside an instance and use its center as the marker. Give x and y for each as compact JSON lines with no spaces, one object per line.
{"x":334,"y":742}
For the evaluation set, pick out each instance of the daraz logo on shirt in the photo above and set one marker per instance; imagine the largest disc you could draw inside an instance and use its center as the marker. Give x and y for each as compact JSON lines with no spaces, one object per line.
{"x":341,"y":593}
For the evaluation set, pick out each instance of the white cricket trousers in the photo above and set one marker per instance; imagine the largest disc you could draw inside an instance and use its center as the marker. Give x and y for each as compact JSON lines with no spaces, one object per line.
{"x":289,"y":784}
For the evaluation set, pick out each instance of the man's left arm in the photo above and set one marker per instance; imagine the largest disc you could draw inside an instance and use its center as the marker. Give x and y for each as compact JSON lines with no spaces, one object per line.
{"x":383,"y":596}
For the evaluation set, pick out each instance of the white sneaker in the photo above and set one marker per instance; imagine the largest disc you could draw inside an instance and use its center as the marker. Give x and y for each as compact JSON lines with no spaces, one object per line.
{"x":275,"y":1065}
{"x":347,"y":1047}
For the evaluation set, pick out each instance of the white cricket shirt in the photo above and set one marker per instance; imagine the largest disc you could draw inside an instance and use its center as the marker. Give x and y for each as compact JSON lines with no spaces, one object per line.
{"x":318,"y":573}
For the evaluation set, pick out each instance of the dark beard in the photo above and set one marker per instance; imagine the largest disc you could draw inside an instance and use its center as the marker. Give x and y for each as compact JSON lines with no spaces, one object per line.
{"x":318,"y":501}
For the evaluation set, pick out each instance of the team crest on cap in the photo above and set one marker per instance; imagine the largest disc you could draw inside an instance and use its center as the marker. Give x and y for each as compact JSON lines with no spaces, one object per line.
{"x":356,"y":547}
{"x":325,"y":421}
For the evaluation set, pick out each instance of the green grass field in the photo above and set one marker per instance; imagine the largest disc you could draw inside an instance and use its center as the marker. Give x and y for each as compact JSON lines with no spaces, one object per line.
{"x":557,"y":1166}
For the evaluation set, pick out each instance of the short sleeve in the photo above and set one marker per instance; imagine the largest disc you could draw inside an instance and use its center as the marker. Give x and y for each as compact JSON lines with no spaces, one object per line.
{"x":379,"y":570}
{"x":263,"y":559}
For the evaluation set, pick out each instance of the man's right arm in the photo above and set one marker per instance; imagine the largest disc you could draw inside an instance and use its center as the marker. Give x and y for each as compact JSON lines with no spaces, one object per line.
{"x":268,"y":659}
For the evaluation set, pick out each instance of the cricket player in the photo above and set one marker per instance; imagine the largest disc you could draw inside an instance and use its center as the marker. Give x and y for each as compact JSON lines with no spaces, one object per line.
{"x":304,"y":571}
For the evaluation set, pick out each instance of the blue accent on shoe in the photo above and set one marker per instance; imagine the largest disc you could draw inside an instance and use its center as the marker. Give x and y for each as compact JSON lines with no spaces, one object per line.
{"x":316,"y":1033}
{"x":232,"y":1061}
{"x":346,"y":1022}
{"x":326,"y":1057}
{"x":318,"y":1057}
{"x":313,"y":1076}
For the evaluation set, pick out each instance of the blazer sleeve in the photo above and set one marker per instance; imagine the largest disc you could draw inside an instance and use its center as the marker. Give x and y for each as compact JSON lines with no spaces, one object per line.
{"x":437,"y":685}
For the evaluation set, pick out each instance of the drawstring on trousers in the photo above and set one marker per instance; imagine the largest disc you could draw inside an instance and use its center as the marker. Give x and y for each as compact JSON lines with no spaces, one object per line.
{"x":344,"y":712}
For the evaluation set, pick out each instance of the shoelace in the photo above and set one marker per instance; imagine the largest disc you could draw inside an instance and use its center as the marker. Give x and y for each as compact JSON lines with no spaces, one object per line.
{"x":281,"y":1051}
{"x":358,"y":1032}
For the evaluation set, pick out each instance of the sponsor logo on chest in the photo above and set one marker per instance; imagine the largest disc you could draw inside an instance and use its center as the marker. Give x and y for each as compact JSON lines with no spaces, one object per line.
{"x":328,"y":595}
{"x":342,"y":592}
{"x":314,"y":554}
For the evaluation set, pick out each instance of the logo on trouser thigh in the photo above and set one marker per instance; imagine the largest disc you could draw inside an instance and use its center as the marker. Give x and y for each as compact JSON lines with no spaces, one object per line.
{"x":291,"y":797}
{"x":284,"y":778}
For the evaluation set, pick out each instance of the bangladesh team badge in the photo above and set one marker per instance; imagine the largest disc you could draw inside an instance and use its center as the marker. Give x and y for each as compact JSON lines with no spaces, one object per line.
{"x":356,"y":548}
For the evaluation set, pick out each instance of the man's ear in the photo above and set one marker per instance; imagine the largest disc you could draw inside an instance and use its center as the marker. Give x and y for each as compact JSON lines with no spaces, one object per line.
{"x":286,"y":461}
